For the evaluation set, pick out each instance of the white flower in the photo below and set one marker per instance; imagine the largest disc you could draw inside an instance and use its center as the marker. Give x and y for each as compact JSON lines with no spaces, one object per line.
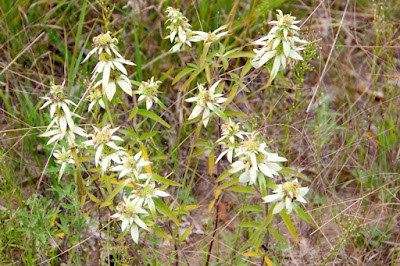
{"x":104,"y":42}
{"x":180,"y":31}
{"x":116,"y":78}
{"x":132,"y":166}
{"x":144,"y":194}
{"x":254,"y":159}
{"x":63,"y":157}
{"x":280,"y":44}
{"x":128,"y":213}
{"x":95,"y":96}
{"x":148,"y":91}
{"x":103,"y":142}
{"x":230,"y":130}
{"x":59,"y":109}
{"x":287,"y":193}
{"x":57,"y":134}
{"x":206,"y":101}
{"x":229,"y":149}
{"x":211,"y":36}
{"x":108,"y":63}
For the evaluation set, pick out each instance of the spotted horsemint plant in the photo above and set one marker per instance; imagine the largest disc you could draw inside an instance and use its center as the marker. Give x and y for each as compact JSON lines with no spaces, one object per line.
{"x":148,"y":91}
{"x":64,"y":158}
{"x":180,"y":32}
{"x":132,"y":167}
{"x":129,"y":213}
{"x":143,"y":195}
{"x":255,"y":160}
{"x":106,"y":148}
{"x":280,"y":44}
{"x":207,"y":101}
{"x":286,"y":194}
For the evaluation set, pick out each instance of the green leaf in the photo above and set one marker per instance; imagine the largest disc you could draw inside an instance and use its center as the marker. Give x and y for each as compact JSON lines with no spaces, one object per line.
{"x":221,"y":114}
{"x":94,"y":198}
{"x":162,"y":208}
{"x":115,"y":192}
{"x":241,"y":54}
{"x":246,"y":68}
{"x":160,"y":232}
{"x":242,"y":189}
{"x":249,"y":224}
{"x":301,"y":213}
{"x":251,"y":254}
{"x":149,"y":135}
{"x":191,"y":78}
{"x":153,"y":116}
{"x":211,"y":162}
{"x":163,"y":180}
{"x":289,"y":225}
{"x":224,"y":175}
{"x":276,"y":234}
{"x":133,"y":113}
{"x":204,"y":54}
{"x":186,"y":233}
{"x":229,"y":183}
{"x":184,"y":72}
{"x":286,"y":170}
{"x":252,"y":208}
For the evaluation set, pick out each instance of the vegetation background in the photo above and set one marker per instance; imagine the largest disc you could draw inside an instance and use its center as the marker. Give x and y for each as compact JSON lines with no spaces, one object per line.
{"x":339,"y":128}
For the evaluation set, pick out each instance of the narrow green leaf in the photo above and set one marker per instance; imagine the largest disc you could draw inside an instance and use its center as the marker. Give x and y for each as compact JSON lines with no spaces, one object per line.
{"x":302,"y":214}
{"x":163,"y":180}
{"x":211,"y":162}
{"x":162,"y":208}
{"x":191,"y":78}
{"x":181,"y":74}
{"x":241,"y":54}
{"x":289,"y":225}
{"x":94,"y":198}
{"x":133,"y":113}
{"x":242,"y":189}
{"x":221,"y":114}
{"x":149,"y":135}
{"x":186,"y":233}
{"x":276,"y":234}
{"x":286,"y":170}
{"x":229,"y":183}
{"x":115,"y":192}
{"x":160,"y":232}
{"x":153,"y":116}
{"x":224,"y":175}
{"x":246,"y":68}
{"x":252,"y":208}
{"x":249,"y":224}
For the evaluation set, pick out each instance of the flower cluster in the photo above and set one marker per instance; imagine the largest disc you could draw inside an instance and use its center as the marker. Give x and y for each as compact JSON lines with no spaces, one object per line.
{"x":62,"y":126}
{"x":207,"y":101}
{"x":180,"y":32}
{"x":286,"y":194}
{"x":255,"y":160}
{"x":110,"y":66}
{"x":280,"y":44}
{"x":148,"y":91}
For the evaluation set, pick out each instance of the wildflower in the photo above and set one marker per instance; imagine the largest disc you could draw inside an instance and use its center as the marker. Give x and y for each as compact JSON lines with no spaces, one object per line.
{"x":144,"y":194}
{"x":280,"y":44}
{"x":116,"y":77}
{"x":59,"y":109}
{"x":254,"y":159}
{"x":95,"y":96}
{"x":58,"y":134}
{"x":104,"y":42}
{"x":128,"y":213}
{"x":206,"y":101}
{"x":180,"y":31}
{"x":63,"y":157}
{"x":286,"y":194}
{"x":106,"y":64}
{"x":132,"y":166}
{"x":148,"y":91}
{"x":103,"y":142}
{"x":211,"y":36}
{"x":229,"y":150}
{"x":230,"y":130}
